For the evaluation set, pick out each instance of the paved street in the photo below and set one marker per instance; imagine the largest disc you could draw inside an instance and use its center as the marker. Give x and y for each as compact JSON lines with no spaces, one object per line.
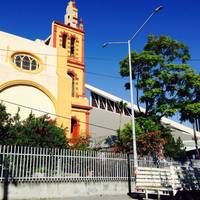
{"x":103,"y":197}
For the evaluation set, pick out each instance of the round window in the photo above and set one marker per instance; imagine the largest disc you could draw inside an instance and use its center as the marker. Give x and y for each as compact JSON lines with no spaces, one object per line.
{"x":26,"y":62}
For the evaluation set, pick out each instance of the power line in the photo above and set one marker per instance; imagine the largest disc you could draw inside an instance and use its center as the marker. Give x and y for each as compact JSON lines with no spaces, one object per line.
{"x":46,"y":54}
{"x":47,"y":113}
{"x":87,"y":57}
{"x":102,"y":75}
{"x":194,"y":60}
{"x":92,"y":58}
{"x":87,"y":72}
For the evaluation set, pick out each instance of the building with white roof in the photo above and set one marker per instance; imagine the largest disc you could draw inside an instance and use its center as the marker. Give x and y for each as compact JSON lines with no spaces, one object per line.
{"x":106,"y":114}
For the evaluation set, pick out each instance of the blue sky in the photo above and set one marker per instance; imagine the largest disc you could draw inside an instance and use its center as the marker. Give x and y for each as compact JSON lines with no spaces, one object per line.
{"x":107,"y":20}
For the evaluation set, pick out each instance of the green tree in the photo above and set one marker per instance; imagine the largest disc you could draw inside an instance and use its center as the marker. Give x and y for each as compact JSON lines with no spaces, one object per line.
{"x":33,"y":131}
{"x":152,"y":139}
{"x":174,"y":148}
{"x":189,"y":104}
{"x":160,"y":73}
{"x":164,"y":83}
{"x":42,"y":132}
{"x":189,"y":99}
{"x":5,"y":123}
{"x":81,"y":143}
{"x":121,"y":106}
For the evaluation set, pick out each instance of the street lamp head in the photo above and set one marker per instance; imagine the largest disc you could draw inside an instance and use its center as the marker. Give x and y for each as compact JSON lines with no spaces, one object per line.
{"x":158,"y":8}
{"x":105,"y":44}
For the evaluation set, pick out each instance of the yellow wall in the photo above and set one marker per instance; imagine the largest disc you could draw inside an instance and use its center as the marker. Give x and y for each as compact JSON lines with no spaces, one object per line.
{"x":66,"y":63}
{"x":79,"y":44}
{"x":64,"y":91}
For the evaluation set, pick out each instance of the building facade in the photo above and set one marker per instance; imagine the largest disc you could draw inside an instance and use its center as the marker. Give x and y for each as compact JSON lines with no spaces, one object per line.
{"x":106,"y":117}
{"x":47,"y":76}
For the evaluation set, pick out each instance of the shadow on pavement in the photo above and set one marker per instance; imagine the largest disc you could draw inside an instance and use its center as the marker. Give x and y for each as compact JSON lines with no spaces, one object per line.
{"x":181,"y":195}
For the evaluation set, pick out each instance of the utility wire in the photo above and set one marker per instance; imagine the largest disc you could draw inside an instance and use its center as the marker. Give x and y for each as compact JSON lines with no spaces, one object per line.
{"x":57,"y":55}
{"x":102,"y":75}
{"x":38,"y":110}
{"x":87,"y":72}
{"x":92,"y":58}
{"x":194,"y":60}
{"x":60,"y":116}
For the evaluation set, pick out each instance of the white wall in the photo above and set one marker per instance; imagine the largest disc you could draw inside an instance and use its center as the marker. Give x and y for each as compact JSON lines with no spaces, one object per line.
{"x":10,"y":44}
{"x":27,"y":96}
{"x":64,"y":190}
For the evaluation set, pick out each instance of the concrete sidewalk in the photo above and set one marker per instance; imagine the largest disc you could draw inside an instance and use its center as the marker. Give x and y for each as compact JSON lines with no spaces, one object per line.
{"x":100,"y":197}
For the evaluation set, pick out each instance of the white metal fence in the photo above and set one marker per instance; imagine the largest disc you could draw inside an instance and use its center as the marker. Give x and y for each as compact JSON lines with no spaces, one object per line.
{"x":44,"y":164}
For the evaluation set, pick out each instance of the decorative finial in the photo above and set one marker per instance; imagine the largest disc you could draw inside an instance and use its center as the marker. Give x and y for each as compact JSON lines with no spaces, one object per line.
{"x":81,"y":20}
{"x":81,"y":23}
{"x":74,"y":3}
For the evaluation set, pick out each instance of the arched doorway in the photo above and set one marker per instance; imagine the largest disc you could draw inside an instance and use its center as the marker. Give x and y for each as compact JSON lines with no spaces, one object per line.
{"x":75,"y":127}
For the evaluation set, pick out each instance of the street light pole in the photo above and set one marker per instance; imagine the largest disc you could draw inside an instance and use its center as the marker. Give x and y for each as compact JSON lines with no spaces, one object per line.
{"x":148,"y":18}
{"x":131,"y":83}
{"x":135,"y":159}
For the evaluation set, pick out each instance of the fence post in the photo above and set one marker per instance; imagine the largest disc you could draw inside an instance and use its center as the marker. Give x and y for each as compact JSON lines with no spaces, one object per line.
{"x":129,"y":174}
{"x":6,"y":177}
{"x":173,"y":174}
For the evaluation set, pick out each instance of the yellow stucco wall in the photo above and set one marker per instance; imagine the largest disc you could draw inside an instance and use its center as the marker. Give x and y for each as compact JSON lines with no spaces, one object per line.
{"x":64,"y":93}
{"x":70,"y":32}
{"x":75,"y":64}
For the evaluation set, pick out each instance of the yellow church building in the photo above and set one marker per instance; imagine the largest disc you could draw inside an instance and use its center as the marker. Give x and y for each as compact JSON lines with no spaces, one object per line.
{"x":48,"y":76}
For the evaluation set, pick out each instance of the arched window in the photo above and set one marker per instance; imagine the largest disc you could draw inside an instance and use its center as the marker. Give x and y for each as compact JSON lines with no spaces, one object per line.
{"x":64,"y":41}
{"x":74,"y":128}
{"x":73,"y":83}
{"x":33,"y":65}
{"x":25,"y":61}
{"x":18,"y":61}
{"x":72,"y":46}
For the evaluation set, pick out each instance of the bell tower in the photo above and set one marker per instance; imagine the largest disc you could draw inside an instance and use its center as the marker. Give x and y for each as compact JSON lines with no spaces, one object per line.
{"x":68,"y":39}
